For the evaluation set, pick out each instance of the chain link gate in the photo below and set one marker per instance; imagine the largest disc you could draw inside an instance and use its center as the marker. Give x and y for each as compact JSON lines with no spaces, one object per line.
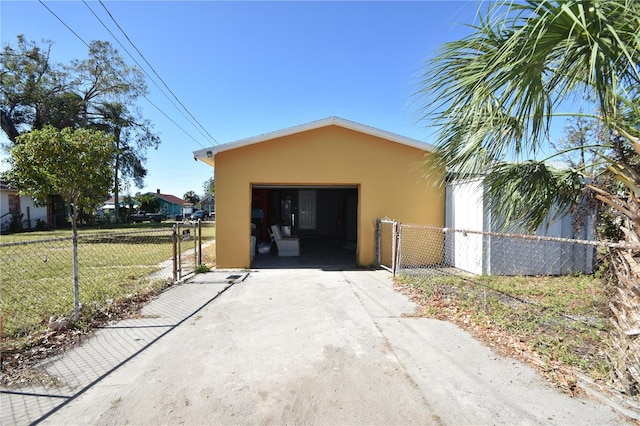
{"x":185,"y":249}
{"x":386,"y":244}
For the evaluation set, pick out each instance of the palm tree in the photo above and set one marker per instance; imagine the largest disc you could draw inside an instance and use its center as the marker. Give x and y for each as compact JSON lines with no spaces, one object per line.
{"x":492,"y":97}
{"x":132,"y":136}
{"x":493,"y":94}
{"x":191,"y":197}
{"x":115,"y":119}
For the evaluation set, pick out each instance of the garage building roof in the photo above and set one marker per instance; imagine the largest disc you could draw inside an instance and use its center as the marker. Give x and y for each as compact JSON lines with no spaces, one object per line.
{"x":207,"y":155}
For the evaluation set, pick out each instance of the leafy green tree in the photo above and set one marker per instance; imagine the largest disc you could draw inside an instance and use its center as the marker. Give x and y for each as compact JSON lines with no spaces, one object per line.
{"x":72,"y":163}
{"x":191,"y":197}
{"x":95,"y":92}
{"x":493,"y":94}
{"x":131,"y":137}
{"x":35,"y":92}
{"x":104,"y":77}
{"x":148,"y":202}
{"x":209,"y":186}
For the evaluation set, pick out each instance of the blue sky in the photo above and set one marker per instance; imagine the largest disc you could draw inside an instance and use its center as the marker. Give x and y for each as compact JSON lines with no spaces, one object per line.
{"x":247,"y":68}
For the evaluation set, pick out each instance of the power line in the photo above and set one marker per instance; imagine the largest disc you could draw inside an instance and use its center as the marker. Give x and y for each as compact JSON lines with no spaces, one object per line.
{"x":143,"y":70}
{"x":139,"y":93}
{"x":154,"y":71}
{"x":64,"y":23}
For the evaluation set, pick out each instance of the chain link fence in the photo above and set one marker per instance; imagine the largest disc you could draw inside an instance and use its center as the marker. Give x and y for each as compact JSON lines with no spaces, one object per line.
{"x":422,"y":249}
{"x":193,"y":240}
{"x":37,"y":278}
{"x":37,"y":281}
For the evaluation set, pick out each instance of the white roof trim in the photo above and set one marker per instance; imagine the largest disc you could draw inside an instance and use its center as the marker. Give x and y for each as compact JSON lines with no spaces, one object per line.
{"x":337,"y":121}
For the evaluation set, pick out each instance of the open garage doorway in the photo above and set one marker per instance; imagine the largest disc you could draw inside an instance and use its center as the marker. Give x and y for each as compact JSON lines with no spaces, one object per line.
{"x":323,"y":218}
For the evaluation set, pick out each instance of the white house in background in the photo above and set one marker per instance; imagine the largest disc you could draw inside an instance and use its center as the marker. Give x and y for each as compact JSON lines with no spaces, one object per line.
{"x":109,"y":206}
{"x":497,"y":255}
{"x":11,"y":201}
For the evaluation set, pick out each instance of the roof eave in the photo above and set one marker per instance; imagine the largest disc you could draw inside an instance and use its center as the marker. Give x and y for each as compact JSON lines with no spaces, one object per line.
{"x":207,"y":155}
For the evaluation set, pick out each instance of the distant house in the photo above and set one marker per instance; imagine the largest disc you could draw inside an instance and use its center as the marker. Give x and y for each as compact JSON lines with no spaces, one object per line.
{"x":170,"y":204}
{"x":208,"y":203}
{"x":11,"y":202}
{"x":167,"y":204}
{"x":110,"y":204}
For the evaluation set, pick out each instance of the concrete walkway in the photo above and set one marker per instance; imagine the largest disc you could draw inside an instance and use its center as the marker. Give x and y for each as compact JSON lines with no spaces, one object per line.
{"x":292,"y":346}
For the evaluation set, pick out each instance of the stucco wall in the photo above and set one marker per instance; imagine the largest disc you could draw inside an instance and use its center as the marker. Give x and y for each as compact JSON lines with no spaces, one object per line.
{"x":388,"y":176}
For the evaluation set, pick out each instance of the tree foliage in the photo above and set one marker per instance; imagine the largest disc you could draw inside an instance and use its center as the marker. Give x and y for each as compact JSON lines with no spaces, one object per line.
{"x":148,"y":202}
{"x":132,"y":136}
{"x":35,"y":92}
{"x":95,"y":92}
{"x":75,"y":164}
{"x":191,"y":197}
{"x":209,"y":186}
{"x":104,"y":77}
{"x":492,"y":97}
{"x":493,"y":94}
{"x":72,"y":163}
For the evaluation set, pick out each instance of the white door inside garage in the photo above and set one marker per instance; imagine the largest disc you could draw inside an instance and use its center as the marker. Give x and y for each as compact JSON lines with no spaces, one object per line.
{"x":307,"y":209}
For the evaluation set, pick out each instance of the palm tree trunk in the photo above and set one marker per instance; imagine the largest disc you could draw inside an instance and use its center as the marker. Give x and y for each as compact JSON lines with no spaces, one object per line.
{"x":625,"y":308}
{"x":116,"y":191}
{"x":116,"y":183}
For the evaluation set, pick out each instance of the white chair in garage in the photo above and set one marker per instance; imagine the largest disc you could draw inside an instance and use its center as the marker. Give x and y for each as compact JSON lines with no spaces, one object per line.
{"x":286,"y":246}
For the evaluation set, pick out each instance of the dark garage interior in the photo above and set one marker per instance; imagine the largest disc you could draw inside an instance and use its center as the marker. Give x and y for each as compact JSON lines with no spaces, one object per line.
{"x":324,"y":218}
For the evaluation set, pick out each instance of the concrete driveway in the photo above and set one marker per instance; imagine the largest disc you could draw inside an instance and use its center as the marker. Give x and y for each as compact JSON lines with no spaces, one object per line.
{"x":306,"y":346}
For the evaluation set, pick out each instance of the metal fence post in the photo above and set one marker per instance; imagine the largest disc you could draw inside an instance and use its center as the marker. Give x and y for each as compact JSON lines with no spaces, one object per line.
{"x":199,"y":242}
{"x":195,"y":244}
{"x":378,"y":243}
{"x":76,"y":277}
{"x":395,"y":237}
{"x":175,"y":253}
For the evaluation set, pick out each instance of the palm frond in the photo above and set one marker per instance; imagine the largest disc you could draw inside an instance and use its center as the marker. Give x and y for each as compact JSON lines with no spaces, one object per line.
{"x":491,"y":96}
{"x":523,"y":195}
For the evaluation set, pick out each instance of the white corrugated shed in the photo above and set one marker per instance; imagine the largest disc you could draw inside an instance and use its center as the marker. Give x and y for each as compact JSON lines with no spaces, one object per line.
{"x":498,"y":255}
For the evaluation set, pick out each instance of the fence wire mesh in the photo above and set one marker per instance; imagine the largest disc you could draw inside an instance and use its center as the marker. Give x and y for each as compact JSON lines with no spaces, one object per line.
{"x":187,"y":246}
{"x":118,"y":272}
{"x":422,"y":249}
{"x":37,"y":276}
{"x":37,"y":280}
{"x":195,"y":245}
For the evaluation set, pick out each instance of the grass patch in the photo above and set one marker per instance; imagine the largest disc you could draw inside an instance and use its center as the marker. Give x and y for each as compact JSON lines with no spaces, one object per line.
{"x":201,"y":269}
{"x":208,"y":232}
{"x":557,"y":323}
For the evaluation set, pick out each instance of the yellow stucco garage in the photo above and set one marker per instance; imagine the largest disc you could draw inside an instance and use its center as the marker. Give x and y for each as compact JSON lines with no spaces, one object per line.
{"x":328,"y":178}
